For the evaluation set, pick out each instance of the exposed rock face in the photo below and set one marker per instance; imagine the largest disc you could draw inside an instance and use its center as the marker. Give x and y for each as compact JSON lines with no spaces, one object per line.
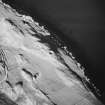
{"x":31,"y":71}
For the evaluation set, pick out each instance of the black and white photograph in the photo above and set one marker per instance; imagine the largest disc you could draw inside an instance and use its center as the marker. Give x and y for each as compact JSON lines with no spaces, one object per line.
{"x":52,"y":52}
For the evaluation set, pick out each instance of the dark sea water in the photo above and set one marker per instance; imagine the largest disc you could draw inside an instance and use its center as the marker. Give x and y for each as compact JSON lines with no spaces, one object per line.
{"x":80,"y":25}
